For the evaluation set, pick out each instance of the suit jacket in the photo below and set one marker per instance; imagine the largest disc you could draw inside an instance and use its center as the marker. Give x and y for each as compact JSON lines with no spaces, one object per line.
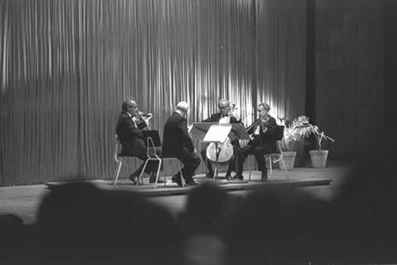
{"x":176,"y":136}
{"x":130,"y":136}
{"x":217,"y":116}
{"x":265,"y":139}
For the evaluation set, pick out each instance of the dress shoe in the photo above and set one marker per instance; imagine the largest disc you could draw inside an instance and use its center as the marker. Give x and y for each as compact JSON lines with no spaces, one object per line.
{"x":177,"y":180}
{"x":228,"y":173}
{"x":134,"y":177}
{"x":238,"y":177}
{"x":153,"y":179}
{"x":264,"y":175}
{"x":191,"y":182}
{"x":210,"y":175}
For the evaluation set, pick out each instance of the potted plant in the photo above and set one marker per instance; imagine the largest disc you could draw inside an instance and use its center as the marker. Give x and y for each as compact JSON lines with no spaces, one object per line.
{"x":305,"y":129}
{"x":290,"y":142}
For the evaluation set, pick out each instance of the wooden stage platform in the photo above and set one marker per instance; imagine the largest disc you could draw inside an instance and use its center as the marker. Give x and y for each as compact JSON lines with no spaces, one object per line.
{"x":171,"y":189}
{"x":24,"y":200}
{"x":297,"y":178}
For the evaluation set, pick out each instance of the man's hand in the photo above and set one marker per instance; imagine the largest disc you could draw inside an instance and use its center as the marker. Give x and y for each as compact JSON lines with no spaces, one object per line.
{"x":235,"y":115}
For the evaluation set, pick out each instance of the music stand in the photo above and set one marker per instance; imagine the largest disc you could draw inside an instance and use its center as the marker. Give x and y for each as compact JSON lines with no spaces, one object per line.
{"x":152,"y":134}
{"x":199,"y":129}
{"x":239,"y":131}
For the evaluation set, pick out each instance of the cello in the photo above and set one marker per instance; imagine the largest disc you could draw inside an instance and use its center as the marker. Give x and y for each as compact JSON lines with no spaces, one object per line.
{"x":225,"y":150}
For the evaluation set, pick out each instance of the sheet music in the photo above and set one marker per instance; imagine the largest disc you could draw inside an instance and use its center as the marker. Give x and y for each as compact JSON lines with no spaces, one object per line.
{"x":199,"y":129}
{"x":217,"y":133}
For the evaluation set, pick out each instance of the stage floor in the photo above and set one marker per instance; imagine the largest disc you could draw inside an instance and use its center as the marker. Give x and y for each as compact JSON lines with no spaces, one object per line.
{"x":171,"y":189}
{"x":320,"y":182}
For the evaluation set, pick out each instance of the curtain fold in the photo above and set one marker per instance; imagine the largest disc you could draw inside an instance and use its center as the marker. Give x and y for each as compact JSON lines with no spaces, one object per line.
{"x":281,"y":55}
{"x":67,"y":65}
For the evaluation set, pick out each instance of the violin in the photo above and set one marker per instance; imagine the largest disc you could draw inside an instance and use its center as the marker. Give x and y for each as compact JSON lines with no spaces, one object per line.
{"x":142,"y":117}
{"x":262,"y":122}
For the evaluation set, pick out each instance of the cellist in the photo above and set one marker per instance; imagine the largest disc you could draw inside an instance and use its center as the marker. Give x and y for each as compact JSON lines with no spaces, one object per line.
{"x":263,"y":142}
{"x":225,"y":115}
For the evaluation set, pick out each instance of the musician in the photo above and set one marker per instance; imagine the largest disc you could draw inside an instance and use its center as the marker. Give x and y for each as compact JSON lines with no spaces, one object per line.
{"x":177,"y":143}
{"x":224,"y":116}
{"x":263,"y":142}
{"x":129,"y":131}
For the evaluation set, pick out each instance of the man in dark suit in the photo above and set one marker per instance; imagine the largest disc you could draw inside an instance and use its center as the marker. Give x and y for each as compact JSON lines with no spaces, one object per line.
{"x":226,"y":115}
{"x":129,"y":131}
{"x":263,"y":141}
{"x":177,"y":143}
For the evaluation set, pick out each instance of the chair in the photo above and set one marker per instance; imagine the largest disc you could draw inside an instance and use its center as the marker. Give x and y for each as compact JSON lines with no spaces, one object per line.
{"x":118,"y":157}
{"x":276,"y":156}
{"x":154,"y":153}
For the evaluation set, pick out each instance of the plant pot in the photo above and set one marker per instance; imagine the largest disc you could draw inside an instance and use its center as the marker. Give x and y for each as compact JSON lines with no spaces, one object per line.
{"x":318,"y":158}
{"x":299,"y":148}
{"x":289,"y":160}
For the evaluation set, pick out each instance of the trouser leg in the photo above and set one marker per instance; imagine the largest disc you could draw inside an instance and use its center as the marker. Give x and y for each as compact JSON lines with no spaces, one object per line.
{"x":242,"y":155}
{"x":233,"y":164}
{"x":190,"y":163}
{"x":150,"y":167}
{"x":210,"y":170}
{"x":260,"y":159}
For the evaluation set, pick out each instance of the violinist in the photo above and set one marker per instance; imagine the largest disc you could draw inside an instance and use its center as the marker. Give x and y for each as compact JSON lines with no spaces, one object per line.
{"x":262,"y":141}
{"x":129,"y":131}
{"x":226,"y":115}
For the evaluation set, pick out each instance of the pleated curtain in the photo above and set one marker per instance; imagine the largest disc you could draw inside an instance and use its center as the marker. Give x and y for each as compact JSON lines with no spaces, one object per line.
{"x":66,"y":65}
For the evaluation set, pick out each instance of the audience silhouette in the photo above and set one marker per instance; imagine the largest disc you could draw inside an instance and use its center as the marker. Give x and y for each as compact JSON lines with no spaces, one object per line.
{"x":79,"y":223}
{"x":364,"y":212}
{"x":13,"y":233}
{"x":204,"y":225}
{"x":276,"y":225}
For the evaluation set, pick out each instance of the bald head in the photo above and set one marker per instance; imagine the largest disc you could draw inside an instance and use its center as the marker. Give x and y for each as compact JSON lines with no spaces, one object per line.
{"x":224,"y":106}
{"x":182,"y":106}
{"x":223,"y":103}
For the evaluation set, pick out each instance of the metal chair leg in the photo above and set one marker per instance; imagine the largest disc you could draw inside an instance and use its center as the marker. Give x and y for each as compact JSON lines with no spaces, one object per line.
{"x":285,"y":168}
{"x":117,"y":172}
{"x":158,"y":173}
{"x":164,"y":171}
{"x":271,"y":166}
{"x":140,"y":180}
{"x":180,"y":171}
